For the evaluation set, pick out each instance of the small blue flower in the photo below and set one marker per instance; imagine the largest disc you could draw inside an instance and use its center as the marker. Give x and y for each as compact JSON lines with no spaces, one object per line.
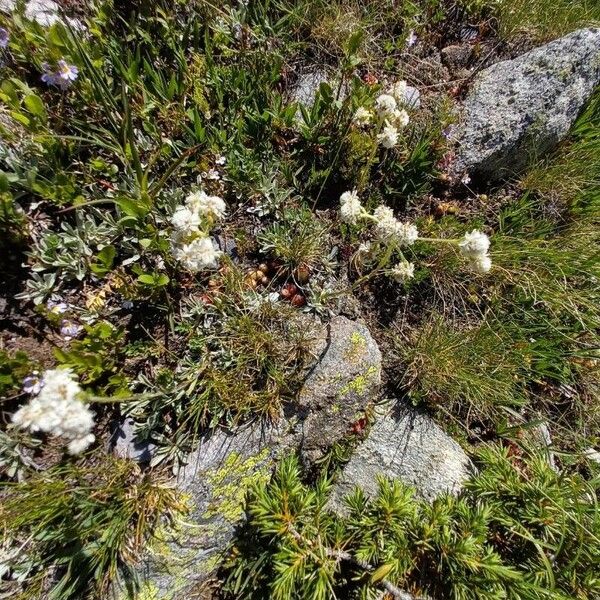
{"x":32,"y":384}
{"x":69,"y":329}
{"x":4,"y":37}
{"x":63,"y":77}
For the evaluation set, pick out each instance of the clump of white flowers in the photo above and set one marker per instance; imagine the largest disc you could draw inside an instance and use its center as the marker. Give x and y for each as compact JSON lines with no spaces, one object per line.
{"x":388,"y":137}
{"x":403,"y":271}
{"x":388,"y":228}
{"x":475,"y":246}
{"x":385,"y":105}
{"x":390,"y":236}
{"x":351,"y":210}
{"x":362,"y":116}
{"x":390,"y":112}
{"x":59,"y":411}
{"x":192,"y":221}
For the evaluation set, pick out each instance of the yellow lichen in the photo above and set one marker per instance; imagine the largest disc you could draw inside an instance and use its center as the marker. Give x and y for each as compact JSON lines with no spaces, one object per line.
{"x":360,"y":382}
{"x":357,"y":346}
{"x":230,"y":483}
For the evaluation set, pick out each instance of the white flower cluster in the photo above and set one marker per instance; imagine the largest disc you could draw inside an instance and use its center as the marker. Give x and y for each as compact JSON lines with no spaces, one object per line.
{"x":389,"y":229}
{"x":390,"y":114}
{"x":351,"y":210}
{"x":403,"y":271}
{"x":57,"y":410}
{"x":474,"y":246}
{"x":191,"y":245}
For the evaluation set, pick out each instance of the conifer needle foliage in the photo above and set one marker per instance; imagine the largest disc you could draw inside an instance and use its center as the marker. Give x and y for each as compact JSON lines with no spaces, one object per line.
{"x":520,"y":529}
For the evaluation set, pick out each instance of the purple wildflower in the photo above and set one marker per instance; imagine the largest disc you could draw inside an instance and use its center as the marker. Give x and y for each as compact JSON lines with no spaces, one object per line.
{"x":69,"y":329}
{"x":3,"y":37}
{"x":66,"y":73}
{"x":32,"y":384}
{"x":411,"y":40}
{"x":58,"y":308}
{"x":63,"y":77}
{"x":48,"y":76}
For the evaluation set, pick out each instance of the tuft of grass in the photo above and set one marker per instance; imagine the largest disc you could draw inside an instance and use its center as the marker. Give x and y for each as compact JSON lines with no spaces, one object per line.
{"x":298,"y":240}
{"x":542,"y":19}
{"x":79,"y":527}
{"x":469,"y":370}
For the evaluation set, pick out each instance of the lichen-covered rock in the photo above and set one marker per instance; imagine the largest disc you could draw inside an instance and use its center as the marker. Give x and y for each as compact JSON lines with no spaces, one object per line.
{"x":342,"y":384}
{"x":406,"y":445}
{"x":341,"y":379}
{"x":521,"y":108}
{"x":214,"y":483}
{"x":305,"y":90}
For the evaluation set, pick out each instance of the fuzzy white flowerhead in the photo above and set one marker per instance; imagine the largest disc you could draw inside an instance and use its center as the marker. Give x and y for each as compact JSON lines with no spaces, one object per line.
{"x":398,"y":91}
{"x":59,"y":411}
{"x":388,"y":137}
{"x":78,"y":445}
{"x":481,"y":264}
{"x":385,"y":105}
{"x":198,"y":255}
{"x":403,"y":271}
{"x":401,"y":118}
{"x":350,"y":207}
{"x":474,"y":244}
{"x":406,"y":234}
{"x":60,"y":384}
{"x":186,"y":221}
{"x":386,"y":225}
{"x":362,"y":116}
{"x":209,"y":206}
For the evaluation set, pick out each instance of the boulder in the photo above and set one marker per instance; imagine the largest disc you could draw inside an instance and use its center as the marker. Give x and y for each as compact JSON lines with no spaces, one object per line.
{"x":214,"y":484}
{"x":343,"y":377}
{"x":343,"y":383}
{"x":519,"y":109}
{"x":406,"y":445}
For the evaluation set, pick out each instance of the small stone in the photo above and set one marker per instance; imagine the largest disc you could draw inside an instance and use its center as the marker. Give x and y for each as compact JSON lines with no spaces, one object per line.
{"x":124,"y":443}
{"x":412,"y":97}
{"x":521,"y":108}
{"x":227,"y":245}
{"x":457,"y":56}
{"x":305,"y":90}
{"x":406,"y":445}
{"x":343,"y":383}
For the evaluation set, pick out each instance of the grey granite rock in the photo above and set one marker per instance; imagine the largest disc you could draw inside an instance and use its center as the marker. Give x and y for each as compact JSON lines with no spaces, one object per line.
{"x":305,"y":90}
{"x":214,"y":483}
{"x":342,"y":378}
{"x":520,"y":109}
{"x":124,"y":443}
{"x":343,"y":383}
{"x":406,"y":445}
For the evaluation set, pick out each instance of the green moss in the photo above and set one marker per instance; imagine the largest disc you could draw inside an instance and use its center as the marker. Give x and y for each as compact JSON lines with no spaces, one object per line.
{"x":230,"y":483}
